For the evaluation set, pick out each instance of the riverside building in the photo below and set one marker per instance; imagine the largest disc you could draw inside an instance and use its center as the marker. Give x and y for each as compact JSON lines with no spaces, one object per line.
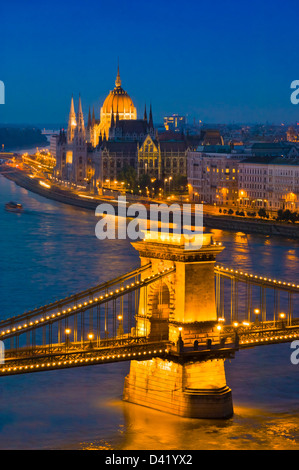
{"x":213,"y":175}
{"x":269,"y":182}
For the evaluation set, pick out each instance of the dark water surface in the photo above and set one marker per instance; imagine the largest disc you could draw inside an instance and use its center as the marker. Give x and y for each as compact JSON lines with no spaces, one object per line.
{"x":50,"y":251}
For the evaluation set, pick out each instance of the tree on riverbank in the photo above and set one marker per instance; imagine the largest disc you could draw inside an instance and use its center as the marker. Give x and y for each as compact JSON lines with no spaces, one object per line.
{"x":287,"y":216}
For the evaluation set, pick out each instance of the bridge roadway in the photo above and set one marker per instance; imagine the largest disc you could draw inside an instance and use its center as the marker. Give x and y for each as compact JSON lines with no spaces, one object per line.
{"x":127,"y":348}
{"x":222,"y":342}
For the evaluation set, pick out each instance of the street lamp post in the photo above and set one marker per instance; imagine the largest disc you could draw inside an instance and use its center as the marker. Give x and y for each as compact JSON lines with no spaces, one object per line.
{"x":120,"y":329}
{"x":282,"y":317}
{"x":236,"y":325}
{"x":165,"y":186}
{"x":67,"y":333}
{"x":256,"y":311}
{"x":180,"y":342}
{"x":90,"y":336}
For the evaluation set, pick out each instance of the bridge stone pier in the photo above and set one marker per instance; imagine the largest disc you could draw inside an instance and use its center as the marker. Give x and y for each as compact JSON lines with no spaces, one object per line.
{"x":179,"y":307}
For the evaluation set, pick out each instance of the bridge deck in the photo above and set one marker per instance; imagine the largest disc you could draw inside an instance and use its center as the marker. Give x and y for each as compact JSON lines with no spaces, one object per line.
{"x":54,"y":353}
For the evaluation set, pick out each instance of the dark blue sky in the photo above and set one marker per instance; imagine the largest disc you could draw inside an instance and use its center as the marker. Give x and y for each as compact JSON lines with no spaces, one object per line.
{"x":219,"y":61}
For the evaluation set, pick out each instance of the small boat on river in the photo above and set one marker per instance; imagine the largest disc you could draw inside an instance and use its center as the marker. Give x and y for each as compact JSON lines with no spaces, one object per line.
{"x":13,"y":207}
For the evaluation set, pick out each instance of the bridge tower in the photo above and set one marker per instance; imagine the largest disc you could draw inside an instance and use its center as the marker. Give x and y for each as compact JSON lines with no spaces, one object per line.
{"x":179,"y":307}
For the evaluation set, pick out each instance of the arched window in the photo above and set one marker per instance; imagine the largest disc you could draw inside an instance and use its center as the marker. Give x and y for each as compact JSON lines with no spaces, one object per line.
{"x":160,"y":313}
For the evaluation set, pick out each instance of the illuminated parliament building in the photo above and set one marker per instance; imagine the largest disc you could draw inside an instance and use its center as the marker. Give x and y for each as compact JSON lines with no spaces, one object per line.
{"x":97,"y":151}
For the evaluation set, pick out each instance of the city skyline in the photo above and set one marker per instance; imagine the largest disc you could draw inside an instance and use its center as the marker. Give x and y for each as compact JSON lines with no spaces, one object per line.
{"x":230,"y":67}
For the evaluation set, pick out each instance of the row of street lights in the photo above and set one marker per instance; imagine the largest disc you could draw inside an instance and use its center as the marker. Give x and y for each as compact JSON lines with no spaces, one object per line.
{"x":90,"y":336}
{"x":257,"y":312}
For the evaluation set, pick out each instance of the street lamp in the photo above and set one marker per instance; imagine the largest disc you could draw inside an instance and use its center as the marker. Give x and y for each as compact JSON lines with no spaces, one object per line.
{"x":67,"y":332}
{"x":180,"y":342}
{"x":120,"y":329}
{"x":90,"y":336}
{"x":282,"y":317}
{"x":256,"y":311}
{"x":219,"y":328}
{"x":235,"y":325}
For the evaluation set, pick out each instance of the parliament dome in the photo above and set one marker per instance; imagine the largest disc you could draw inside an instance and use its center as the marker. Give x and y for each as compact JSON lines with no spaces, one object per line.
{"x":117,"y":102}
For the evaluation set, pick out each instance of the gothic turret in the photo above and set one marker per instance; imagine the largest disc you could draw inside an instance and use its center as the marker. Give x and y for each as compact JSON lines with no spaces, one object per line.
{"x":72,"y":124}
{"x":89,"y":119}
{"x":80,"y":120}
{"x":150,"y":121}
{"x":93,"y":119}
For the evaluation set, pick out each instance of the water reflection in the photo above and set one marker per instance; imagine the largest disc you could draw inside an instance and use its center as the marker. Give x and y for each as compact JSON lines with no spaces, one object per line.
{"x":250,"y":428}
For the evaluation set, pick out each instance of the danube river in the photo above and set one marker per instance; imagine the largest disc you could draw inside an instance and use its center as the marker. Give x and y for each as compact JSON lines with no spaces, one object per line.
{"x":50,"y":251}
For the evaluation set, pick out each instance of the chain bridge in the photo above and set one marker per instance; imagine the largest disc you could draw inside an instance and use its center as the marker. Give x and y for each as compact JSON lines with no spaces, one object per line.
{"x":177,"y":318}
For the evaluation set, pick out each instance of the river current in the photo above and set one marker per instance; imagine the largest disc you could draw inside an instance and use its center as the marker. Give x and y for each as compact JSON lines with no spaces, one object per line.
{"x":50,"y":251}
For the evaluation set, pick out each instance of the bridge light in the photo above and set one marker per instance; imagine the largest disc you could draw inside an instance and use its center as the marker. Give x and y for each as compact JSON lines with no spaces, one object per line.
{"x":282,"y":315}
{"x":235,"y":324}
{"x":256,"y":311}
{"x":221,"y":319}
{"x":219,"y":327}
{"x":245,"y":323}
{"x":67,"y":331}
